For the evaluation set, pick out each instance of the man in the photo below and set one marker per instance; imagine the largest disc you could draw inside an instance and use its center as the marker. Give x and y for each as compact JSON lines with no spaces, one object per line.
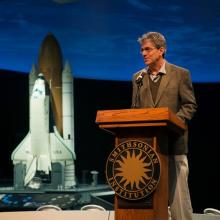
{"x":161,"y":84}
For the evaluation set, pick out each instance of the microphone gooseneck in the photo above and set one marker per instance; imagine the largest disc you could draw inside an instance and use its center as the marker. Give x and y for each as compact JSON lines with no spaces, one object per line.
{"x":139,"y":82}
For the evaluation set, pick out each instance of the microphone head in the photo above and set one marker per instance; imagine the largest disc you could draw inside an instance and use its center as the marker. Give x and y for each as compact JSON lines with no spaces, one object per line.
{"x":139,"y":79}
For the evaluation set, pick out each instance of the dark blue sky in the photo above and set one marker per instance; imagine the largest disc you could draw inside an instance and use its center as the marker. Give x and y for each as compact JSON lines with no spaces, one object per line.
{"x":99,"y":37}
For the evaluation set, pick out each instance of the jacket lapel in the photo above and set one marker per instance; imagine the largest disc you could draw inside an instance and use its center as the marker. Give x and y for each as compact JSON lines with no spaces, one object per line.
{"x":164,"y":82}
{"x":148,"y":92}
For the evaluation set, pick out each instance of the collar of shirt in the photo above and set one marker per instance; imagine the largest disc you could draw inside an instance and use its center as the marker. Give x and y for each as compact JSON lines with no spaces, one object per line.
{"x":161,"y":71}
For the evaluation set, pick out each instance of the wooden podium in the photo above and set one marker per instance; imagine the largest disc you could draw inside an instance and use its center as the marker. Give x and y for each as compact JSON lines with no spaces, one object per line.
{"x":152,"y":126}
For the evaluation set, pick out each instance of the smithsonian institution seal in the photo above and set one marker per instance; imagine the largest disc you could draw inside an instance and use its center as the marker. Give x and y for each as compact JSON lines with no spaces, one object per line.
{"x":133,"y":170}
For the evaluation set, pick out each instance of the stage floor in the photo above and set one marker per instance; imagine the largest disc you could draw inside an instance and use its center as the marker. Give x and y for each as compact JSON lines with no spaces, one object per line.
{"x":22,"y":204}
{"x":80,"y":215}
{"x":30,"y":200}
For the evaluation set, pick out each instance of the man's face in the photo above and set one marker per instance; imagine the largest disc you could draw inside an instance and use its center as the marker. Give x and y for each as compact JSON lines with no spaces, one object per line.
{"x":150,"y":53}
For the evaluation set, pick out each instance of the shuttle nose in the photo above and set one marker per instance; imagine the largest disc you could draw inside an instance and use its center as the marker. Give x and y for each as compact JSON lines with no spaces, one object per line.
{"x":41,"y":76}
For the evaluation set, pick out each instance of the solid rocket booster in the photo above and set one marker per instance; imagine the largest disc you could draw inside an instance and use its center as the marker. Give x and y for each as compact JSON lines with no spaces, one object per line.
{"x":50,"y":64}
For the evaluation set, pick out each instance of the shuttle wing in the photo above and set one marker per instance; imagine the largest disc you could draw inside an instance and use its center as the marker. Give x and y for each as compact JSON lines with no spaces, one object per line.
{"x":59,"y":149}
{"x":22,"y":151}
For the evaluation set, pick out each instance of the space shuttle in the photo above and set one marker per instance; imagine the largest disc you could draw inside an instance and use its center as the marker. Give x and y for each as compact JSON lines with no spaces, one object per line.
{"x":45,"y":157}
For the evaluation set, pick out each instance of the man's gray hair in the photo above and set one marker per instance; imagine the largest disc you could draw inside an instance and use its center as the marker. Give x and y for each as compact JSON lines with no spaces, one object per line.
{"x":156,"y":38}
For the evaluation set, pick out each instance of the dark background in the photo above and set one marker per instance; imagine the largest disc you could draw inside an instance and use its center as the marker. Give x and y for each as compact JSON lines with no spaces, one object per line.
{"x":93,"y":145}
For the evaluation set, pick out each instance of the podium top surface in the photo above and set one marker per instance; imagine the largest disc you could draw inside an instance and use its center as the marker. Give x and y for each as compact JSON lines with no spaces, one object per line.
{"x":139,"y":118}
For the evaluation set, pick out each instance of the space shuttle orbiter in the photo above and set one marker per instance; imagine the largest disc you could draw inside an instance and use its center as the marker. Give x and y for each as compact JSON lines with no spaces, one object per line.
{"x":47,"y":152}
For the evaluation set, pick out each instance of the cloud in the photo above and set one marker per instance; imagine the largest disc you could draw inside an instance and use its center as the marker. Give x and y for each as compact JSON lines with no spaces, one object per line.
{"x":138,"y":4}
{"x":64,"y":1}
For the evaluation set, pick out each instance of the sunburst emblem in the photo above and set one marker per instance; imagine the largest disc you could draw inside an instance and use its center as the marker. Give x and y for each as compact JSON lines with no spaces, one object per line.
{"x":133,"y":170}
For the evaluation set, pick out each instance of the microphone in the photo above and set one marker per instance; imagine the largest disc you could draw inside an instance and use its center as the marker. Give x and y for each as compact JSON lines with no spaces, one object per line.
{"x":140,"y":77}
{"x":139,"y":81}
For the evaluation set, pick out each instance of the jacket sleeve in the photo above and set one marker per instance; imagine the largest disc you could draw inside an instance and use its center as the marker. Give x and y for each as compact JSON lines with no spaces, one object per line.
{"x":188,"y":104}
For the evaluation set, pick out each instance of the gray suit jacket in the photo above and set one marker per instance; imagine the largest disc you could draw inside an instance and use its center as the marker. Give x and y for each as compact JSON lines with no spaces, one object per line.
{"x":175,"y":92}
